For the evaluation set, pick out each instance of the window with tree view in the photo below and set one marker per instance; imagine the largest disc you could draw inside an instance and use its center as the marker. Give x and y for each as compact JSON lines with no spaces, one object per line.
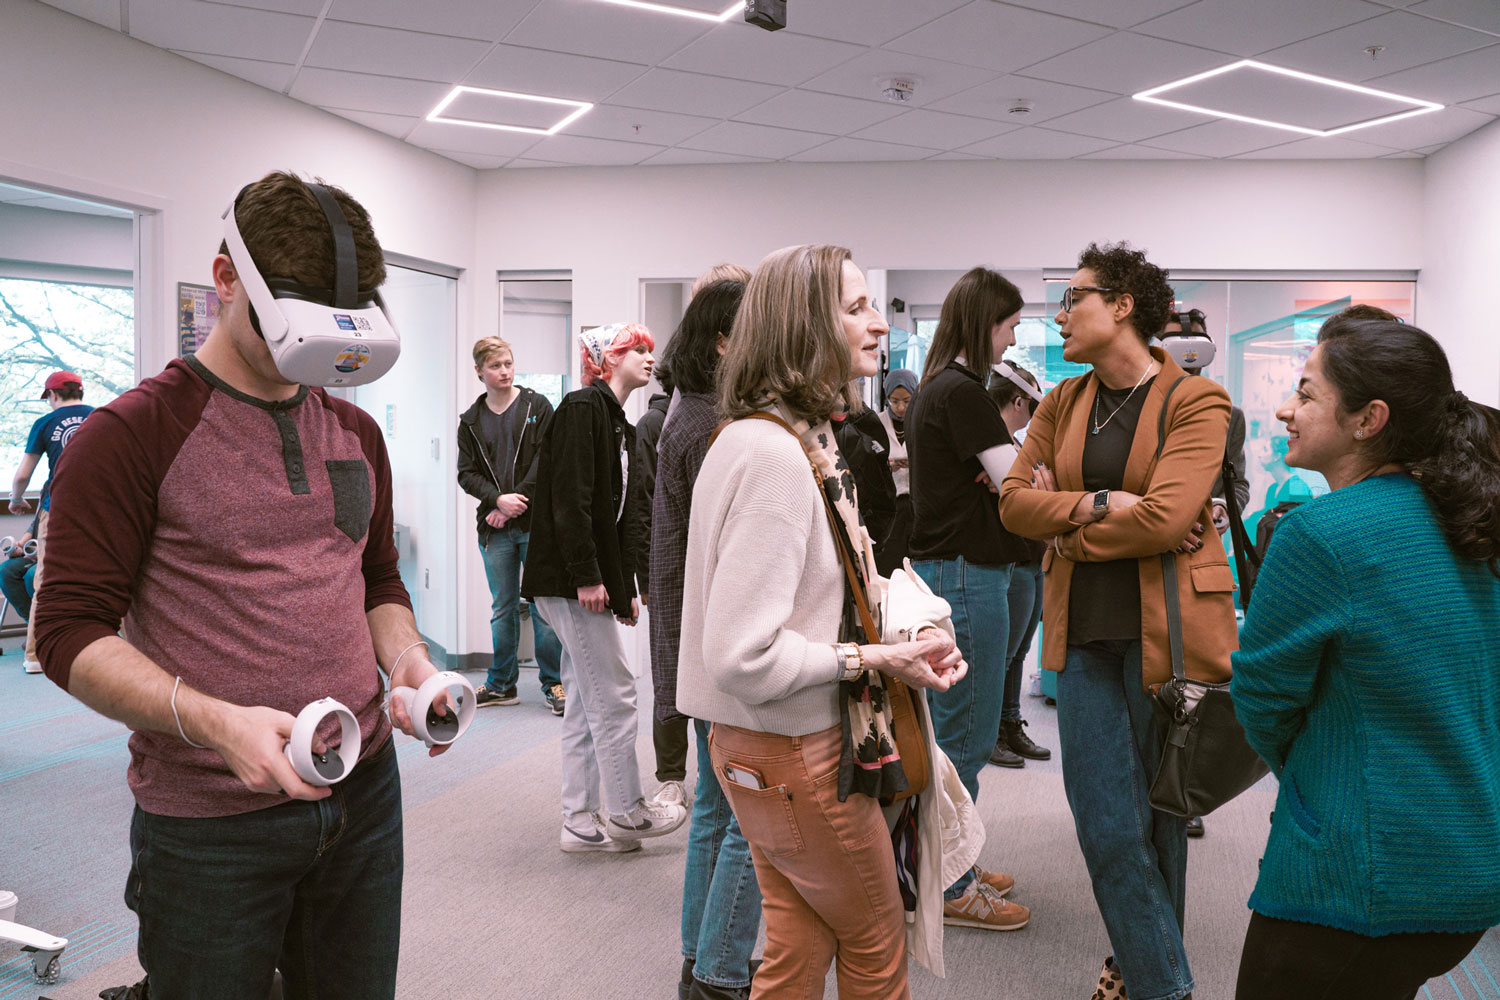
{"x":51,"y":325}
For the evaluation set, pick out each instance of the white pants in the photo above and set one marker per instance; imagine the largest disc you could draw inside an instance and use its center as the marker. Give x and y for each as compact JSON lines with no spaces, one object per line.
{"x":600,"y":723}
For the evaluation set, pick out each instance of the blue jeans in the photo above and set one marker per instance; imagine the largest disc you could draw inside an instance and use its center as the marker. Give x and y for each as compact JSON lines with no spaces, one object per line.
{"x":720,"y":897}
{"x":310,"y":888}
{"x":504,"y":552}
{"x":1025,"y":600}
{"x":966,"y":717}
{"x":15,"y":583}
{"x":1136,"y":855}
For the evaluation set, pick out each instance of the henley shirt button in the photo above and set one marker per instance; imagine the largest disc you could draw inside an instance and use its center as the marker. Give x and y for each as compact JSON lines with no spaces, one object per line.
{"x":296,"y":466}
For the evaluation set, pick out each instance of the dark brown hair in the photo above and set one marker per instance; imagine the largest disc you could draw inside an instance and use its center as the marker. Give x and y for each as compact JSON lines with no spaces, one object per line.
{"x":285,"y":230}
{"x":1125,"y":270}
{"x":975,"y":303}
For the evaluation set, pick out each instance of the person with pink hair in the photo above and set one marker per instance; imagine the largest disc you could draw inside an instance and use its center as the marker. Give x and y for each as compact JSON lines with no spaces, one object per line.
{"x":581,"y":571}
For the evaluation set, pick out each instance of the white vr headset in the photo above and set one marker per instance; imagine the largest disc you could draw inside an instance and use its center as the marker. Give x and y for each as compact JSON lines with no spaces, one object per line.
{"x":318,"y":336}
{"x":1189,"y":350}
{"x":1005,"y":371}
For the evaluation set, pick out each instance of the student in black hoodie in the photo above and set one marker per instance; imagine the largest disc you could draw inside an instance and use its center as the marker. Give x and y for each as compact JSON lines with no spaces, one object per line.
{"x":499,"y":450}
{"x":582,"y":573}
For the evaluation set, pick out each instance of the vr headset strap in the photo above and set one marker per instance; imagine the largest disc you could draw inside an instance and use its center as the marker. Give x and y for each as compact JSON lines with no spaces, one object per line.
{"x":346,"y":270}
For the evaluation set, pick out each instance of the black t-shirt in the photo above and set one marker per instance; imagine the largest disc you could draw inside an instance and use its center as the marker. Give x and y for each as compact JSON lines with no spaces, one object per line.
{"x":498,"y":430}
{"x":1105,"y":599}
{"x":951,"y":420}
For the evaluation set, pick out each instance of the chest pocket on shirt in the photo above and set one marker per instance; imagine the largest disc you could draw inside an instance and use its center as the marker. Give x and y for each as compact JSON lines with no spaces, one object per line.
{"x":350,"y":480}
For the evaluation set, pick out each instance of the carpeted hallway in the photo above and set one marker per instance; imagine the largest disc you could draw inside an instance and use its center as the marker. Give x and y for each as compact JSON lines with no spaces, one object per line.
{"x":494,"y":910}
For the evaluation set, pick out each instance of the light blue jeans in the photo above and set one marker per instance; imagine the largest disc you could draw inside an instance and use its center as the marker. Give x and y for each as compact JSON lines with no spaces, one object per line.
{"x":720,"y":897}
{"x":504,"y":553}
{"x":1136,"y":855}
{"x":966,"y":717}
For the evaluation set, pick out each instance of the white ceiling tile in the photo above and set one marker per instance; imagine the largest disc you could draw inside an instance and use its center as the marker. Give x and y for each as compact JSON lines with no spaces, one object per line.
{"x":819,"y":112}
{"x":862,"y":76}
{"x":1481,"y":14}
{"x":590,"y":28}
{"x":1125,"y":63}
{"x":657,"y":127}
{"x":365,"y":92}
{"x":393,"y":125}
{"x":1404,"y":155}
{"x":307,"y":8}
{"x":1429,"y":150}
{"x":1037,"y":144}
{"x":954,"y":154}
{"x":746,"y":52}
{"x":935,"y":129}
{"x":1252,"y":92}
{"x":1320,"y":148}
{"x":1413,"y":133}
{"x":476,"y":160}
{"x":394,"y":52}
{"x":272,"y":76}
{"x":488,"y":21}
{"x":865,"y":22}
{"x":1131,"y":152}
{"x":1222,"y":138}
{"x":1449,"y":81}
{"x":996,"y":37}
{"x":846,"y":150}
{"x":691,"y":93}
{"x":1127,"y":120}
{"x":754,"y":140}
{"x":467,"y":139}
{"x":1487,"y":105}
{"x":521,"y":162}
{"x":1248,"y":29}
{"x":216,"y":29}
{"x":673,"y":157}
{"x":105,"y":12}
{"x":1115,"y":13}
{"x":1047,"y":100}
{"x":585,"y":152}
{"x":1409,"y":41}
{"x":554,"y":74}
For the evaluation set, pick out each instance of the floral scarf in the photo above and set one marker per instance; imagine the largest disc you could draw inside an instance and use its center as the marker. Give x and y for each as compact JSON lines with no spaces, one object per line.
{"x":870,"y":763}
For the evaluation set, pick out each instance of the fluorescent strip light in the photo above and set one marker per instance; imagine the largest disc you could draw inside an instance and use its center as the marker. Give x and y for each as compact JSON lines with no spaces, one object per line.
{"x":1421,"y":107}
{"x":662,"y":8}
{"x":436,"y":114}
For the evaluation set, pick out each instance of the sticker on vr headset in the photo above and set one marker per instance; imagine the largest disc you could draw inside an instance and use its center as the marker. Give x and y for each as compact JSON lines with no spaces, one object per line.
{"x":344,"y":320}
{"x":352,"y":358}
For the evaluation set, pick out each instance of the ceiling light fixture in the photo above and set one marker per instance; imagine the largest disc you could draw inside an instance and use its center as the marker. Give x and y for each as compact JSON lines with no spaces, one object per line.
{"x":1420,"y":107}
{"x":662,"y":8}
{"x":436,"y":114}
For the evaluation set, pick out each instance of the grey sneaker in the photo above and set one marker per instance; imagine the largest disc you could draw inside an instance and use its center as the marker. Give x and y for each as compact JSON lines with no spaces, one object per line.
{"x":647,"y":819}
{"x":591,"y":837}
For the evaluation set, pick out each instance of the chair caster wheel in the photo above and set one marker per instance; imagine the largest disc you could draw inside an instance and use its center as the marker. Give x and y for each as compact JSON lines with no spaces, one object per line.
{"x":49,"y":975}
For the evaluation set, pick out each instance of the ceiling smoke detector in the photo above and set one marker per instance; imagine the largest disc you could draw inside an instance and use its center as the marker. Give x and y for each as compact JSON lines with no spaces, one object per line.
{"x":898,"y":90}
{"x":1019,"y":108}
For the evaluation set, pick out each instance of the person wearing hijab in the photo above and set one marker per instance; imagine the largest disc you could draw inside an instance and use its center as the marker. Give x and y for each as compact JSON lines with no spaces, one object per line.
{"x":900,"y":387}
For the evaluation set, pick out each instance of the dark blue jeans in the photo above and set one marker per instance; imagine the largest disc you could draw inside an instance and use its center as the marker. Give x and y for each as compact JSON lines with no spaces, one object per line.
{"x":504,"y":552}
{"x":1136,"y":855}
{"x":1025,"y":600}
{"x":15,"y":583}
{"x":310,"y":888}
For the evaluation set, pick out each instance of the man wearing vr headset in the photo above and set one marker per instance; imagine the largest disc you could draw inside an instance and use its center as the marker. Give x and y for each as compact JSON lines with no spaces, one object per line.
{"x":246,"y":540}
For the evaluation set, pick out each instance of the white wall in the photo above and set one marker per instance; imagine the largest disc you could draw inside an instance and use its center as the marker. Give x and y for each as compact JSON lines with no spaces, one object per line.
{"x":1461,"y":259}
{"x":69,"y":239}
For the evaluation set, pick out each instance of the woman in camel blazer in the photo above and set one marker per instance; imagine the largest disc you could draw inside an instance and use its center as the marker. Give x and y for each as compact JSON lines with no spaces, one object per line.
{"x":1089,"y":481}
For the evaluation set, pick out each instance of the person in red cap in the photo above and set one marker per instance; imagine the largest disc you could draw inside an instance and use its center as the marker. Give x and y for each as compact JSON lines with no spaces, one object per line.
{"x":49,"y":435}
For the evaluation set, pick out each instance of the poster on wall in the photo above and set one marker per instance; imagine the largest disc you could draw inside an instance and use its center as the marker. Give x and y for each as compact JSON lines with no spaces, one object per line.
{"x":197,"y":308}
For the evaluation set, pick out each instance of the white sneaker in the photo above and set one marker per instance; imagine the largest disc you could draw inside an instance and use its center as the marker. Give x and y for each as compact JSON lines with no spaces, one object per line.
{"x":672,"y":793}
{"x":647,"y":819}
{"x":33,"y":666}
{"x":592,"y":837}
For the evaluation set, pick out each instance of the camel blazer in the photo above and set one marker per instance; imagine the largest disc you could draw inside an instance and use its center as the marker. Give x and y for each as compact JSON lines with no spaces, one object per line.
{"x":1174,"y":494}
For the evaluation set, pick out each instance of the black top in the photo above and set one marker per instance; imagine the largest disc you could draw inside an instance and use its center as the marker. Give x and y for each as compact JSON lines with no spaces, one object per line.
{"x":951,"y":421}
{"x":647,"y":433}
{"x":478,"y":474}
{"x":496,"y":429}
{"x":1105,"y":600}
{"x":586,"y":515}
{"x":869,"y":462}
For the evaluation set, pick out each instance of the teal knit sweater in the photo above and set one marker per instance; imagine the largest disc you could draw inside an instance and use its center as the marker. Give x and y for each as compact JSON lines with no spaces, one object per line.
{"x":1368,"y":677}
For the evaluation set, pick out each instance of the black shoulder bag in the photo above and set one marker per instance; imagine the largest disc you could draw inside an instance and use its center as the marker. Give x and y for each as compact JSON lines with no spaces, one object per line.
{"x":1205,"y":760}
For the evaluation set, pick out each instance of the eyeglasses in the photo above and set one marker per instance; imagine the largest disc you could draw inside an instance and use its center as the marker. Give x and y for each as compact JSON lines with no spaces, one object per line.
{"x":1067,"y":298}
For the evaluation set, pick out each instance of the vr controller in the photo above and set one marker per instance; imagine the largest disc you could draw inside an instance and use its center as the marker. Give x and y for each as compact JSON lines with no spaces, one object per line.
{"x":428,"y":726}
{"x":8,"y":545}
{"x":333,"y":764}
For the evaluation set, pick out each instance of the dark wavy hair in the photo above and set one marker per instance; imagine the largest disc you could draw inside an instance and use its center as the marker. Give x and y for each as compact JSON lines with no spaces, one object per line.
{"x":1120,"y":267}
{"x":1004,"y":392}
{"x":1447,"y":442}
{"x":975,"y":303}
{"x":692,"y":355}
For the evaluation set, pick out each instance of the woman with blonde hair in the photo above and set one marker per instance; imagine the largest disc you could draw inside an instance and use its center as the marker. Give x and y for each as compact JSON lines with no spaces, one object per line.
{"x":773,"y":655}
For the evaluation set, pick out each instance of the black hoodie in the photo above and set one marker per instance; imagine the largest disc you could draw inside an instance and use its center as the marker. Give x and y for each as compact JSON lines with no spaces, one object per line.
{"x":476,"y":473}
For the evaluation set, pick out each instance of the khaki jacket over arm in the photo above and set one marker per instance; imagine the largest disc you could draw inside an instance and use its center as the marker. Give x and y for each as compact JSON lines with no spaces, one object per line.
{"x":1175,"y":496}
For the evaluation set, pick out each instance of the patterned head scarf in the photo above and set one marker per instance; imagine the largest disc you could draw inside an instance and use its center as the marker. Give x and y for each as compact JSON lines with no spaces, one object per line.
{"x":596,"y":341}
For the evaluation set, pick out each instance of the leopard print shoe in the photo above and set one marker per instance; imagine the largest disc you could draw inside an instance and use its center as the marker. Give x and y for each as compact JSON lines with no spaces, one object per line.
{"x":1111,"y":982}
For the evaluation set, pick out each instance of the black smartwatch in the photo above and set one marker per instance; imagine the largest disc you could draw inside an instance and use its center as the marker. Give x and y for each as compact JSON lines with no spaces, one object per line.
{"x":1101,"y":502}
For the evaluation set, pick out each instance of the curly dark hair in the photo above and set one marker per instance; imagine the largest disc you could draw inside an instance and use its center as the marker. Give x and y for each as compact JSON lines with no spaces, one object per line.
{"x":1126,"y":270}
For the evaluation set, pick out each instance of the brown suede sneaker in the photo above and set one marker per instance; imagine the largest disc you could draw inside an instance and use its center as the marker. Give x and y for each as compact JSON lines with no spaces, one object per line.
{"x":980,"y":907}
{"x":1000,"y":882}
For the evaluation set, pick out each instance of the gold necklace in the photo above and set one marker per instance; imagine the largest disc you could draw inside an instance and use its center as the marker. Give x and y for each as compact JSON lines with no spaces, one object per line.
{"x":1139,"y":382}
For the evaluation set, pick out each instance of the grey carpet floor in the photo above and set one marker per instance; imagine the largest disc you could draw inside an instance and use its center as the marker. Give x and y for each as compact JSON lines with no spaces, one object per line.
{"x":492,"y":909}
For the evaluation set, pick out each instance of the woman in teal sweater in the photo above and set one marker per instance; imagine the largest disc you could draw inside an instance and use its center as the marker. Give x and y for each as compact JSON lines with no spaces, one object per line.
{"x":1368,"y":677}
